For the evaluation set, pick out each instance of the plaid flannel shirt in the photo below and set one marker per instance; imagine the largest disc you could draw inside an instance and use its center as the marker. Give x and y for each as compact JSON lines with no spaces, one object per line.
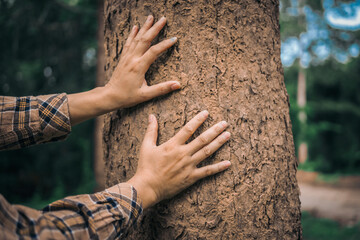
{"x":25,"y":121}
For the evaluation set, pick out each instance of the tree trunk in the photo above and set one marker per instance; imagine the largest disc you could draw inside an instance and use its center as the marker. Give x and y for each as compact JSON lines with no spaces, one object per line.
{"x":228,"y":61}
{"x":301,"y":102}
{"x":99,"y":121}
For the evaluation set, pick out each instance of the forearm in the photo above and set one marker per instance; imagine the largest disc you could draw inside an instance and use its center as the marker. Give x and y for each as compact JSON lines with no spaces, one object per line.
{"x":89,"y":104}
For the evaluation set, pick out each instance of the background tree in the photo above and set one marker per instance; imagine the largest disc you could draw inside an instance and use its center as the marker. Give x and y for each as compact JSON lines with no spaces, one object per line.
{"x":323,"y":36}
{"x":228,"y":61}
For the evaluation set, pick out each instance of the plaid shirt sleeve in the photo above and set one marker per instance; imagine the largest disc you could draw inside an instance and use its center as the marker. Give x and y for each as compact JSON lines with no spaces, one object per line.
{"x":26,"y":121}
{"x":103,"y":215}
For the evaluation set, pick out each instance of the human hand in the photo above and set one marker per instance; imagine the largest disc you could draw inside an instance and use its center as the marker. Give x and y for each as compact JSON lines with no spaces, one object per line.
{"x":165,"y":170}
{"x":127,"y":86}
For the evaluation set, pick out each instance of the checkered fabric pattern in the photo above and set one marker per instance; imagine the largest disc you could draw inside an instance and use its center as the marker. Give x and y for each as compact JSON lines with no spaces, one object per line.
{"x":25,"y":121}
{"x":103,"y":215}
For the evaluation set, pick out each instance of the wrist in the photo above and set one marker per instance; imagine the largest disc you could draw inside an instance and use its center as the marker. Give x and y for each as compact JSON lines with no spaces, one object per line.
{"x":106,"y":97}
{"x":145,"y":192}
{"x":113,"y":97}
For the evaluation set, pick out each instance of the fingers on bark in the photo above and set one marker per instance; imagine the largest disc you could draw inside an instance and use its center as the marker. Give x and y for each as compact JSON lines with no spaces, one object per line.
{"x":207,"y":136}
{"x":188,"y":130}
{"x":148,"y":34}
{"x":149,"y":92}
{"x":153,"y":52}
{"x":130,"y":39}
{"x":152,"y":131}
{"x":209,"y":149}
{"x":211,"y":169}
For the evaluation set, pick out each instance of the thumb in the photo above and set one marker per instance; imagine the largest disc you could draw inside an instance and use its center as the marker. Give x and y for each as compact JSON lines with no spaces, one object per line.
{"x":152,"y":131}
{"x":160,"y":89}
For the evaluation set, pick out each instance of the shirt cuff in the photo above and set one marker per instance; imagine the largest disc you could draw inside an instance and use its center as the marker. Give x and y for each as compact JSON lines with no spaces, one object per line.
{"x":128,"y":198}
{"x":101,"y":215}
{"x":31,"y":120}
{"x":54,"y":117}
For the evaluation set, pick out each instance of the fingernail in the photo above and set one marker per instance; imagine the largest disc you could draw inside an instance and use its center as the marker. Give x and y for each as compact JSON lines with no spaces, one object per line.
{"x":173,"y":39}
{"x":162,"y":18}
{"x":224,"y":123}
{"x":151,"y":118}
{"x":226,"y":163}
{"x":226,"y":135}
{"x":205,"y":113}
{"x":175,"y":86}
{"x":134,"y":27}
{"x":149,"y":18}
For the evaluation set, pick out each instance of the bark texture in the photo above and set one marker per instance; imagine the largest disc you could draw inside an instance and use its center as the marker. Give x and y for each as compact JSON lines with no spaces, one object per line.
{"x":228,"y":61}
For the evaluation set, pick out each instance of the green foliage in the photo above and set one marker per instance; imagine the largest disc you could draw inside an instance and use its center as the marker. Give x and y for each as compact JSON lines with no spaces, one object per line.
{"x":313,"y":166}
{"x":289,"y":26}
{"x":333,"y":115}
{"x":333,"y":95}
{"x":319,"y":229}
{"x":43,"y":46}
{"x":314,"y":4}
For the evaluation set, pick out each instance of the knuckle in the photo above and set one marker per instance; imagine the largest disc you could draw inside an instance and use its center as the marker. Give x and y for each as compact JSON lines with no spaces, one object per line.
{"x":187,"y":177}
{"x":167,"y":148}
{"x":136,"y":40}
{"x":153,"y":50}
{"x":142,"y":95}
{"x":135,"y":64}
{"x":202,"y":139}
{"x":145,"y":39}
{"x":166,"y":154}
{"x":163,"y":88}
{"x":221,"y":140}
{"x":207,"y":151}
{"x":188,"y":129}
{"x":218,"y":128}
{"x":137,"y":61}
{"x":208,"y":171}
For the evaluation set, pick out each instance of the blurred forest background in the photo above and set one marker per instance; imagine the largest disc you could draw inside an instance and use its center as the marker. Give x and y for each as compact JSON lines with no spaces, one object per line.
{"x":50,"y":46}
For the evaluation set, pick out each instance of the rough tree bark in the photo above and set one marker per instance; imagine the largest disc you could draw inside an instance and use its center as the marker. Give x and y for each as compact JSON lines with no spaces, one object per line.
{"x":228,"y":61}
